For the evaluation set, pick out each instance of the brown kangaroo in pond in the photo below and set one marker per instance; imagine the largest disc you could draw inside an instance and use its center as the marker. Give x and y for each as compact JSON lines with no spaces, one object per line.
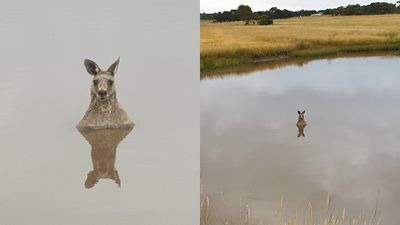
{"x":301,"y":123}
{"x":104,"y":110}
{"x":104,"y":144}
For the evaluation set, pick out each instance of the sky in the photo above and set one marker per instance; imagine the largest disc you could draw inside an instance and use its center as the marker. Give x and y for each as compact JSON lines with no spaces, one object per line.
{"x":258,"y":5}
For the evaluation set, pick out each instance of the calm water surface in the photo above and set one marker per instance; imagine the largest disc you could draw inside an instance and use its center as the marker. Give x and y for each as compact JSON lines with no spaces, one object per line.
{"x":250,"y":152}
{"x":49,"y":173}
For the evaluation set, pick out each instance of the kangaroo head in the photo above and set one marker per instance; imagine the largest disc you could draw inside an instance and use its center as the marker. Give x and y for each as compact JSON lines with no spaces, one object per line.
{"x":94,"y":176}
{"x":301,"y":115}
{"x":103,"y":87}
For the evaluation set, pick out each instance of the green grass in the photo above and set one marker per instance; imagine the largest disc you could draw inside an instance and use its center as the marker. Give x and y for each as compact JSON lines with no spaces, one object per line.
{"x":301,"y":60}
{"x":214,"y":62}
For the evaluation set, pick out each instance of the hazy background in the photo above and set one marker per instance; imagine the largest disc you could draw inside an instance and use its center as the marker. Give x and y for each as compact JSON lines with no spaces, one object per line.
{"x":44,"y":92}
{"x":210,"y":6}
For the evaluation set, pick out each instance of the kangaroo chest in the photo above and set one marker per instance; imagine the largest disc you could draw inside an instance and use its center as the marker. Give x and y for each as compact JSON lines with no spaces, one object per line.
{"x":301,"y":123}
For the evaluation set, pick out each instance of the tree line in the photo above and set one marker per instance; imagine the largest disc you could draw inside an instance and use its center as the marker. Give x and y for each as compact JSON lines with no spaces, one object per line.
{"x":244,"y":12}
{"x":371,"y":9}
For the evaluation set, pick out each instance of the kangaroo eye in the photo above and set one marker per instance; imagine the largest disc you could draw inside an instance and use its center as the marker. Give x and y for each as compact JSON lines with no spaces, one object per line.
{"x":95,"y":82}
{"x":110,"y":82}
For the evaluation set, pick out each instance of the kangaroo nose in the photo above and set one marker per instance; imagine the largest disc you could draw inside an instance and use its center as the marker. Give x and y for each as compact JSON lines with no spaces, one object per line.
{"x":102,"y":93}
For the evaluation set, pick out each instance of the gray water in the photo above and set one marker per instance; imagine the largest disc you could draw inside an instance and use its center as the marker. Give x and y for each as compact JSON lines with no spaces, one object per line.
{"x":45,"y":91}
{"x":250,"y":152}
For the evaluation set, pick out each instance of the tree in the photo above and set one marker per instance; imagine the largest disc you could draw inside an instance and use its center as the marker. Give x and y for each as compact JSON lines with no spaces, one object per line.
{"x":245,"y":13}
{"x":264,"y":20}
{"x":352,"y":10}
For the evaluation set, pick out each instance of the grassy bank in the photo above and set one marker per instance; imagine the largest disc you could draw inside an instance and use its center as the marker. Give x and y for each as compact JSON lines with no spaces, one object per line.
{"x":233,"y":44}
{"x":248,"y":68}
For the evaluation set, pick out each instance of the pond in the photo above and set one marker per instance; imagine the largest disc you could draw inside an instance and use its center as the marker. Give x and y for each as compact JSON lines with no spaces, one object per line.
{"x":251,"y":153}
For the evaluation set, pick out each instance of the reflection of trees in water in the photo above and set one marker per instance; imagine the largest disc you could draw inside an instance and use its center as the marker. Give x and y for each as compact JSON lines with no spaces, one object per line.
{"x":271,"y":64}
{"x":104,"y":144}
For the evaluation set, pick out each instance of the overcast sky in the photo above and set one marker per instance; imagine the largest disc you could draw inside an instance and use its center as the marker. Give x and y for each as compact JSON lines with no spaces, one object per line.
{"x":257,"y":5}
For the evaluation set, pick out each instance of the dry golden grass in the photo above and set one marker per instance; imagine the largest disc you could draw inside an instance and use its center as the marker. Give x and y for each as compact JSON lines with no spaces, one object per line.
{"x":306,"y":217}
{"x":226,"y":44}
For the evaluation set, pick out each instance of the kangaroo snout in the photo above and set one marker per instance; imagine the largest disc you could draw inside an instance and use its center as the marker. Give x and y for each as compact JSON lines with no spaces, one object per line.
{"x":102,"y":93}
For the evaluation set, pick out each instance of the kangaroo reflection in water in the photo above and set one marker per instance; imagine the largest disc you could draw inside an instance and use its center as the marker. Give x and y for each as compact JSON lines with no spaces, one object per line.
{"x":301,"y":123}
{"x":104,"y":144}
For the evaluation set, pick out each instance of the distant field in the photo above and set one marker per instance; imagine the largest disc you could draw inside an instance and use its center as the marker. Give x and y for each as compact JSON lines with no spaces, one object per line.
{"x":232,"y":44}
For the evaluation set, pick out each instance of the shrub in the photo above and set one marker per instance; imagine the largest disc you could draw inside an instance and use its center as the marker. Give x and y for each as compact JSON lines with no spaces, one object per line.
{"x":264,"y":20}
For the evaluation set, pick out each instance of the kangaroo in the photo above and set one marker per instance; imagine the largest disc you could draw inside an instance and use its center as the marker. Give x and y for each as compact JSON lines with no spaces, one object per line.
{"x":301,"y":123}
{"x":104,"y":144}
{"x":104,"y":110}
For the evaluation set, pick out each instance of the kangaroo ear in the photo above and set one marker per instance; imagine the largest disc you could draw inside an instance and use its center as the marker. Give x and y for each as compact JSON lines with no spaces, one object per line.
{"x":298,"y":112}
{"x":116,"y":178}
{"x":114,"y":67}
{"x":91,"y":179}
{"x":303,"y":112}
{"x":91,"y":67}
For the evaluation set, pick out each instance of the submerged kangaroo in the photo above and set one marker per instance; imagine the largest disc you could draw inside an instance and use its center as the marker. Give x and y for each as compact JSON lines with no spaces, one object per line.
{"x":104,"y":110}
{"x":301,"y":123}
